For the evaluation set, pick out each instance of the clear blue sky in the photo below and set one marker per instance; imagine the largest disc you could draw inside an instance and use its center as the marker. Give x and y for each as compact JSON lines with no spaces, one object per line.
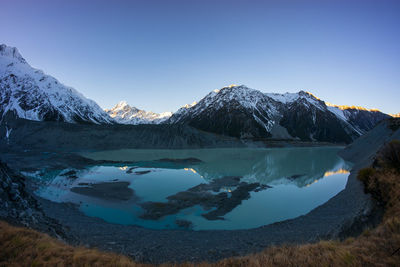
{"x":160,"y":55}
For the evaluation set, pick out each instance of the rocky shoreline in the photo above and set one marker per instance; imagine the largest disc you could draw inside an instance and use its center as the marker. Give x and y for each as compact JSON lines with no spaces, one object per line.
{"x":18,"y":206}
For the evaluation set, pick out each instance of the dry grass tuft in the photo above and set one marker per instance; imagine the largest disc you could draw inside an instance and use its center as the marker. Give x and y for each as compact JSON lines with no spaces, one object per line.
{"x":389,"y":156}
{"x":25,"y":247}
{"x":375,"y":247}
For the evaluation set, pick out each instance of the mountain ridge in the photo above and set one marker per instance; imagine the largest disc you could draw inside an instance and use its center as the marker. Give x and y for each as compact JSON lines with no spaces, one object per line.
{"x":31,"y":94}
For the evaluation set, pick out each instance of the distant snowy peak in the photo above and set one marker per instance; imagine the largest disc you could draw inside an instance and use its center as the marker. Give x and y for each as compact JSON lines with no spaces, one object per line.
{"x":125,"y":114}
{"x":30,"y":94}
{"x":121,"y":109}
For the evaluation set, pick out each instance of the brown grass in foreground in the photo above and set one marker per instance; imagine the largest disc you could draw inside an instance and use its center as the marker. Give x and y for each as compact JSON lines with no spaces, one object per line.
{"x":25,"y":247}
{"x":375,"y":247}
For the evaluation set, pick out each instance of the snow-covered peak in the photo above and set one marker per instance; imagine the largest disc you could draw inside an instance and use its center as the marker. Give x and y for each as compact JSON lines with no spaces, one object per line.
{"x":11,"y":52}
{"x":126,"y":114}
{"x":121,"y":104}
{"x":234,"y":88}
{"x":121,"y":107}
{"x":240,"y":93}
{"x":219,"y":98}
{"x":233,"y":98}
{"x":31,"y":94}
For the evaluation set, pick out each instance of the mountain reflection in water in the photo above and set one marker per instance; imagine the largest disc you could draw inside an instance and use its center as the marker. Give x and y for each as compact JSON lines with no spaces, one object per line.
{"x":176,"y":188}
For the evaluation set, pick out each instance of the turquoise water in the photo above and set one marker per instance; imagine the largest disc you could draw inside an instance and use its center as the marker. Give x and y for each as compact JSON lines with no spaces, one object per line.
{"x":299,"y":180}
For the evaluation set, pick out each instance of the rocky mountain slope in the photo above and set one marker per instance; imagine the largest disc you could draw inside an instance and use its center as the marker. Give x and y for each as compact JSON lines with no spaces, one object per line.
{"x":247,"y":113}
{"x":125,"y":114}
{"x":31,"y":94}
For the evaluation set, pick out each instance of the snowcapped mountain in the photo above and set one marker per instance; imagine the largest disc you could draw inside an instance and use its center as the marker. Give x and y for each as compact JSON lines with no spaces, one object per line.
{"x":31,"y":94}
{"x":243,"y":112}
{"x":235,"y":111}
{"x":125,"y":114}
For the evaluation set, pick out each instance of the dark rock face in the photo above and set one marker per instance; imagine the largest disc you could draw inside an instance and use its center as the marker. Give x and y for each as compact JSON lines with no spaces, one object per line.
{"x":231,"y":120}
{"x":310,"y":123}
{"x":364,"y":120}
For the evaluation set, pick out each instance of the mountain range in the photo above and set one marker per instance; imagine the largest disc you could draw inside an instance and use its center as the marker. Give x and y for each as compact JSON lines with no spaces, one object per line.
{"x":236,"y":111}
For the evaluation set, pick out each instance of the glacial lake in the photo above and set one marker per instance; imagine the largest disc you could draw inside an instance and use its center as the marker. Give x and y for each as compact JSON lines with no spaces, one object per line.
{"x":203,"y":189}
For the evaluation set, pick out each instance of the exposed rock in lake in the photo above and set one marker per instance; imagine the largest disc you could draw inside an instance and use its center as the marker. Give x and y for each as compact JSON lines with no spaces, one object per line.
{"x":107,"y":190}
{"x":130,"y":170}
{"x":142,"y":172}
{"x":205,"y":195}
